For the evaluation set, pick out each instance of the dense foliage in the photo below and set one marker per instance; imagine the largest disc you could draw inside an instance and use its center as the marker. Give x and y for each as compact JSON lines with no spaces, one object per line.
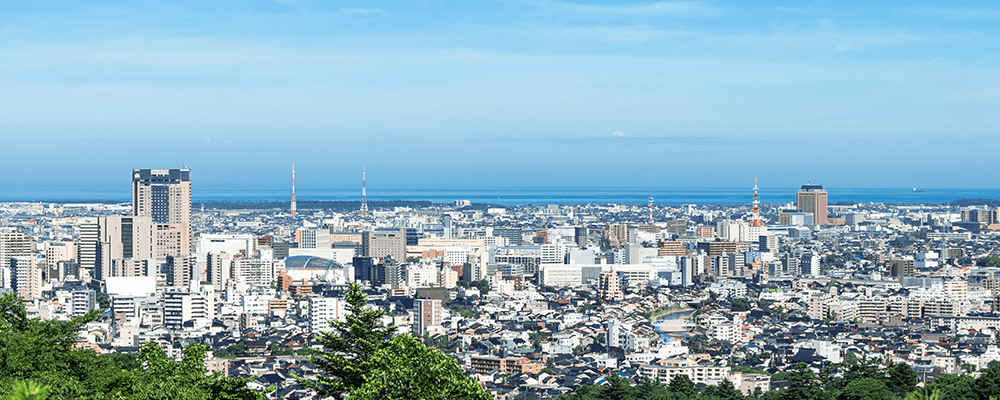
{"x":362,"y":359}
{"x":40,"y":354}
{"x":988,"y":261}
{"x":740,"y":305}
{"x":853,"y":380}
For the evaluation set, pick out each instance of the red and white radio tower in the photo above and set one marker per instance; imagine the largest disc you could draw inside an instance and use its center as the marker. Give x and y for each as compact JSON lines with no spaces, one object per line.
{"x":755,"y":220}
{"x":650,"y":209}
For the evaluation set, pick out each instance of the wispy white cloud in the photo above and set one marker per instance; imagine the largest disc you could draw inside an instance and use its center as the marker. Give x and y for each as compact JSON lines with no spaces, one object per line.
{"x":362,"y":10}
{"x":680,"y":9}
{"x":714,"y":141}
{"x":935,"y":10}
{"x":611,"y":34}
{"x":823,"y":35}
{"x":828,"y":34}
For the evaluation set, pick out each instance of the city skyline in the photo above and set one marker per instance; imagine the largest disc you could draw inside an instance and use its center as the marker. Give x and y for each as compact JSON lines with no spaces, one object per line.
{"x":547,"y":93}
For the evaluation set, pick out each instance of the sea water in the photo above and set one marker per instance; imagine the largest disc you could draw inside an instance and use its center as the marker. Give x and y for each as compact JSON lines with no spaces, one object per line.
{"x":504,"y":195}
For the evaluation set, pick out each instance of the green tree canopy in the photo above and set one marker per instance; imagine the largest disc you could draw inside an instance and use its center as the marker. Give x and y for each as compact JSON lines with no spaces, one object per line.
{"x":740,"y":304}
{"x":682,"y":385}
{"x":804,"y":385}
{"x":954,"y":387}
{"x":723,"y":391}
{"x":652,"y":390}
{"x":988,"y":261}
{"x":901,"y":379}
{"x":866,"y":389}
{"x":362,"y":359}
{"x":29,"y":390}
{"x":160,"y":378}
{"x":617,"y":388}
{"x":42,"y":353}
{"x":987,"y":386}
{"x":406,"y":369}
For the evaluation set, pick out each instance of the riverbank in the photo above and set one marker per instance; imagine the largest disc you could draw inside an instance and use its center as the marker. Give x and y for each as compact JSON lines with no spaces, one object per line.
{"x":668,"y":310}
{"x":674,"y":325}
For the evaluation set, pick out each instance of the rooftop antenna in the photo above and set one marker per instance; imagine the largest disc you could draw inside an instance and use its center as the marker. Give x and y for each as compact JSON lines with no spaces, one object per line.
{"x":364,"y":193}
{"x":294,"y":211}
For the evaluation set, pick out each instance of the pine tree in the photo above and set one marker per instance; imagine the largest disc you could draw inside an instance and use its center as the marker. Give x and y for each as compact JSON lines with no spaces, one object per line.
{"x":349,"y":347}
{"x":362,"y":359}
{"x":682,"y":385}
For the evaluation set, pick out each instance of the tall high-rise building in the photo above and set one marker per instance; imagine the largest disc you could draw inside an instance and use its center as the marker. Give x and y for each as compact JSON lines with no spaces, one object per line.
{"x":428,"y":313}
{"x":322,"y":310}
{"x":165,"y":195}
{"x":380,"y":244}
{"x":689,"y":268}
{"x":609,"y":288}
{"x":179,"y":270}
{"x":88,"y":247}
{"x":446,"y":220}
{"x":123,"y":238}
{"x":84,"y":300}
{"x":255,"y":271}
{"x":59,"y":251}
{"x":220,"y":269}
{"x":768,"y":243}
{"x":812,"y":199}
{"x":580,"y":236}
{"x":14,"y":244}
{"x":27,"y":277}
{"x":130,"y":267}
{"x":388,"y":274}
{"x":183,"y":306}
{"x":363,"y":269}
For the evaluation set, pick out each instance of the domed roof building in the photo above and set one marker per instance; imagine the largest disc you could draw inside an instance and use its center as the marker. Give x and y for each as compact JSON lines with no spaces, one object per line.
{"x":315,"y":268}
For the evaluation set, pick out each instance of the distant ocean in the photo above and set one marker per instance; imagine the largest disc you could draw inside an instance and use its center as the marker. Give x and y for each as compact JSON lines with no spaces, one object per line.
{"x":507,"y":195}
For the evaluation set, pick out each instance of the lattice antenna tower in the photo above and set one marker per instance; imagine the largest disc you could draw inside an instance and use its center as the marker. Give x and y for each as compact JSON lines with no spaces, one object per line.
{"x":364,"y":193}
{"x":293,"y":206}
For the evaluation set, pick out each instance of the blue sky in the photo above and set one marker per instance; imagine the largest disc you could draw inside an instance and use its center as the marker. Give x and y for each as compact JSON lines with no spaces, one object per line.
{"x":488,"y":93}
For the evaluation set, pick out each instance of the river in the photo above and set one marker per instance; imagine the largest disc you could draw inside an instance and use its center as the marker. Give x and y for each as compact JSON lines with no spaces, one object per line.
{"x":672,"y":318}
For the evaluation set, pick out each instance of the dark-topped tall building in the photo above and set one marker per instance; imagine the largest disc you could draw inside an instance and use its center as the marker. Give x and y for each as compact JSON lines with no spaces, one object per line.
{"x":812,"y":199}
{"x":165,"y":195}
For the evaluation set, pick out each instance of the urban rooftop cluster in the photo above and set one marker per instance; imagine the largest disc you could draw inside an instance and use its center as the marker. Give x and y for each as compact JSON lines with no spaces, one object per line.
{"x":530,"y":301}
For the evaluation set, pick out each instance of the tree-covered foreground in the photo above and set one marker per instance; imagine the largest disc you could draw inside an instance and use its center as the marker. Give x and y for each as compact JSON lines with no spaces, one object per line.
{"x":857,"y":379}
{"x":361,"y":359}
{"x":38,"y":357}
